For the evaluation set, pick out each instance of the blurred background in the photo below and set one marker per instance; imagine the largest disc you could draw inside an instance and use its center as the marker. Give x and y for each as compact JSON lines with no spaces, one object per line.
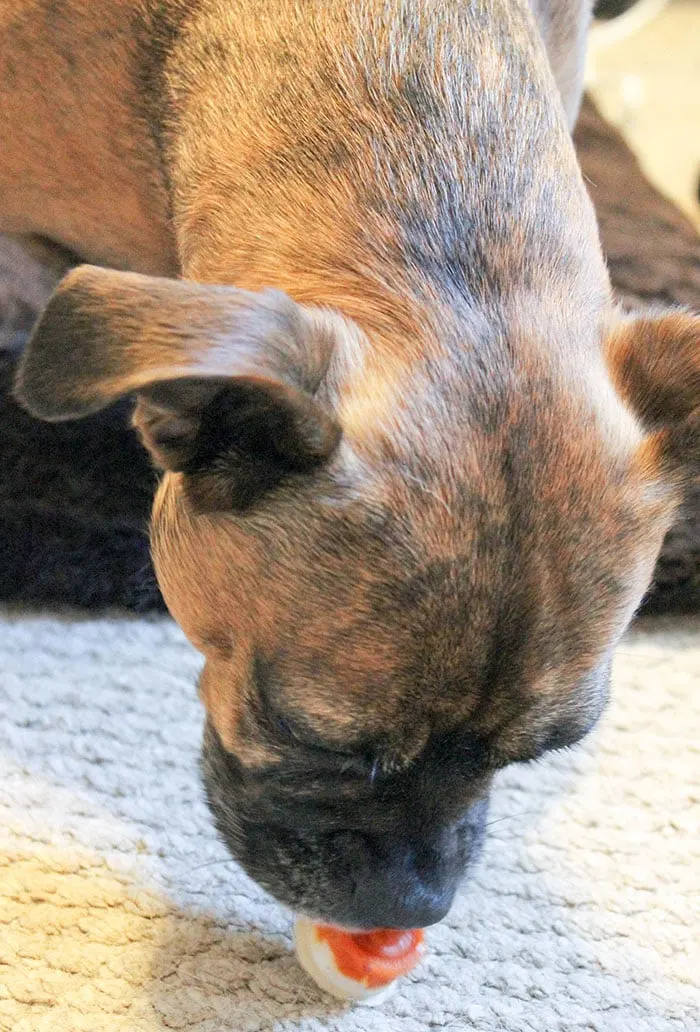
{"x":644,"y":74}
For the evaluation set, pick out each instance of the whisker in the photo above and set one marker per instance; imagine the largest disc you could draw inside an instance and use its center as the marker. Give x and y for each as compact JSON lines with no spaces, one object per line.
{"x":213,"y":863}
{"x":631,"y":651}
{"x":510,"y":817}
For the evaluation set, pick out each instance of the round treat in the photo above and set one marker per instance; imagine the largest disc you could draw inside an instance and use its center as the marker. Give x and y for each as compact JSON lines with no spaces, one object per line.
{"x":359,"y":966}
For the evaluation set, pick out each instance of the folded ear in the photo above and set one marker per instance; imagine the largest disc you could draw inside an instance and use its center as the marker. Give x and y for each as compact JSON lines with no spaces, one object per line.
{"x":654,"y":362}
{"x":225,"y":379}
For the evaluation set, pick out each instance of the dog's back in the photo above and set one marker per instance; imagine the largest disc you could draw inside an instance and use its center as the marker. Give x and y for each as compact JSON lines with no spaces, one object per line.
{"x":77,"y":164}
{"x":287,"y":105}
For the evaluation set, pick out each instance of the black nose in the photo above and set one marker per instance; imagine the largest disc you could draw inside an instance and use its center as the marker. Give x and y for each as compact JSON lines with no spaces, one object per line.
{"x":399,"y":886}
{"x":383,"y":904}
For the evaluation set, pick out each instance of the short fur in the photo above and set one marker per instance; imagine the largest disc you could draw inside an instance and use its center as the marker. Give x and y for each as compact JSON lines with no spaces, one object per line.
{"x":413,"y":496}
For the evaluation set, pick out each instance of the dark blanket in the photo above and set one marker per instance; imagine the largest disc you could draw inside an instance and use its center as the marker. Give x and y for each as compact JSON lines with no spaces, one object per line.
{"x":75,"y":498}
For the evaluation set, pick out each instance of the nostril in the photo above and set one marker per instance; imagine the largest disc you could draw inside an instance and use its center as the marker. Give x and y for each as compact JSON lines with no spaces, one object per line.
{"x":420,"y":908}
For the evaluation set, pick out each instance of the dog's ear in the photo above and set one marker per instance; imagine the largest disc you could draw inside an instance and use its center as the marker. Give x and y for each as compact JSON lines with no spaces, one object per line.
{"x":654,"y":362}
{"x":225,"y":379}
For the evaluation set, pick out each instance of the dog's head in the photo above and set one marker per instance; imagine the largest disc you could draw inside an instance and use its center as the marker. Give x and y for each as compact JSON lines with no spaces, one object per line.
{"x":403,"y":572}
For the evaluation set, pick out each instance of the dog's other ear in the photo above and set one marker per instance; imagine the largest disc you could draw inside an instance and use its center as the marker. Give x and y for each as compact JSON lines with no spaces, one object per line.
{"x":654,"y":362}
{"x":225,"y":379}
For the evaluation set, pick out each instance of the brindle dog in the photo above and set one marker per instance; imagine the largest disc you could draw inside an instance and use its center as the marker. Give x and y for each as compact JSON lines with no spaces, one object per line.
{"x":417,"y":466}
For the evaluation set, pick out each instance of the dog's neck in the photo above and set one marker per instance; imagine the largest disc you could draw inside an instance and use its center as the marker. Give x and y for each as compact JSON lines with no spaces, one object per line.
{"x":384,"y":168}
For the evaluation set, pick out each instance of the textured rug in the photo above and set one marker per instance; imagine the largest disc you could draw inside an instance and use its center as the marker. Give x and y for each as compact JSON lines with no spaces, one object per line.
{"x":120,"y":912}
{"x":74,"y":498}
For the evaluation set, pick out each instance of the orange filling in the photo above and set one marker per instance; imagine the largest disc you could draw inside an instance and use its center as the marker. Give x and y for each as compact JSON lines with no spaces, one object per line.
{"x":373,"y":958}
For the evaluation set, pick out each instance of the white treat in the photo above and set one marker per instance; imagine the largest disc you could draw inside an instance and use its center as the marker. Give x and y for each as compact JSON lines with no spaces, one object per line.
{"x":316,"y":958}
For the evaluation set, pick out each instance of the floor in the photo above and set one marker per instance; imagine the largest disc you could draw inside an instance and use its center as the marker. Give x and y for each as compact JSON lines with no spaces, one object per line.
{"x":648,"y":83}
{"x":120,"y":911}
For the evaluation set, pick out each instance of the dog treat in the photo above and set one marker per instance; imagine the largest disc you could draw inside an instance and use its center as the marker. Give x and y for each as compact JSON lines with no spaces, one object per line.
{"x":359,"y":966}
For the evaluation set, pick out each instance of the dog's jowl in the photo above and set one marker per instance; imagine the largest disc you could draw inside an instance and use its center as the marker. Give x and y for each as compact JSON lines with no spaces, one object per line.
{"x":417,"y":466}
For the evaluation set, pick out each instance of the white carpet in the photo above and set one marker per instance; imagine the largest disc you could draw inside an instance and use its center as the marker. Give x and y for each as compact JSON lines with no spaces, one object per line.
{"x":119,"y":910}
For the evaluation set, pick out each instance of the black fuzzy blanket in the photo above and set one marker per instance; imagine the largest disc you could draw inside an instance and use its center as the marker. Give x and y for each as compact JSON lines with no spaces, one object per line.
{"x":75,"y":498}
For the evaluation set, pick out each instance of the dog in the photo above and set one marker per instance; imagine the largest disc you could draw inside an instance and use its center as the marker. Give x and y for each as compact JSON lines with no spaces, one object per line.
{"x":417,"y":465}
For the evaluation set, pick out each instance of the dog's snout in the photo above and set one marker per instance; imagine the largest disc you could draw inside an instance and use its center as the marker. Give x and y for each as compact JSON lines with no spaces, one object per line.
{"x":369,"y":864}
{"x":399,"y":884}
{"x":394,"y":903}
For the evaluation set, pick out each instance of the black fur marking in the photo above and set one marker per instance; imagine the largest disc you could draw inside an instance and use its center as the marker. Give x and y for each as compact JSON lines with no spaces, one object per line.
{"x":157,"y":29}
{"x":348,"y":849}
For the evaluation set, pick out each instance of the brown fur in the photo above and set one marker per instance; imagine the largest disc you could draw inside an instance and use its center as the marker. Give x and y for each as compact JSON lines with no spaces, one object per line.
{"x":412,"y":496}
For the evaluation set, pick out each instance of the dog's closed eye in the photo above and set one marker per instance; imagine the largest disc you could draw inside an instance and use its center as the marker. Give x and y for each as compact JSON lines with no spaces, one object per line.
{"x":285,"y":730}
